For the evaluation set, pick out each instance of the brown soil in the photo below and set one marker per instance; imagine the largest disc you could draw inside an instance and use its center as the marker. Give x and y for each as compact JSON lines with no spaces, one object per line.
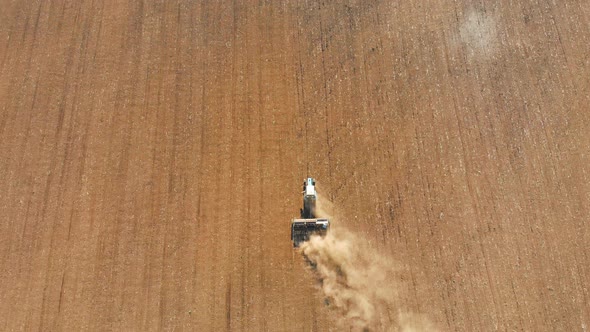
{"x":152,"y":153}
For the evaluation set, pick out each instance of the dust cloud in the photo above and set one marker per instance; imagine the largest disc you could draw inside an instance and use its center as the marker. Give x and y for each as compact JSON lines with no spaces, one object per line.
{"x":358,"y":282}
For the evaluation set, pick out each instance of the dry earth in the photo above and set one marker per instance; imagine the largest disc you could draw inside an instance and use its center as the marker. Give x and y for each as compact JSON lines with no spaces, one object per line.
{"x":152,"y":152}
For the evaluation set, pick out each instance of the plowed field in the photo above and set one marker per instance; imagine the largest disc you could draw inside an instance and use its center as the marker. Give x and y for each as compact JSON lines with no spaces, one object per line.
{"x":152,"y":154}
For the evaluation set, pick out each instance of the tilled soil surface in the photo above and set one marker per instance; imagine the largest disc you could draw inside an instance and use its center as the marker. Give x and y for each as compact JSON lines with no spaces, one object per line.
{"x":152,"y":153}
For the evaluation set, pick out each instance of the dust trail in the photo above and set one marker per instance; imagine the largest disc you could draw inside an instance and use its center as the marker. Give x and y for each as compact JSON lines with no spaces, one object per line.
{"x":358,"y":282}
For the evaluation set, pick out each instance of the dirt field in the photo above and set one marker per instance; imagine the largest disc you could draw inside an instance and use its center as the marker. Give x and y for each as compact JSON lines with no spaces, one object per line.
{"x":152,"y":153}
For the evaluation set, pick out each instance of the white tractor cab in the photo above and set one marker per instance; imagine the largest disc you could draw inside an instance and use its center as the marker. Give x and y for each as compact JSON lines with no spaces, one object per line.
{"x":302,"y":229}
{"x":309,"y":198}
